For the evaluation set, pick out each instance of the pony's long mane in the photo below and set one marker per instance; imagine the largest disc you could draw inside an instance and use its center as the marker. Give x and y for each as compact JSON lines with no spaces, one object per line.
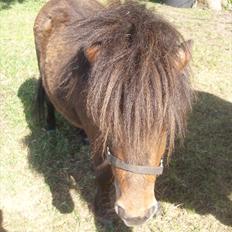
{"x":135,"y":90}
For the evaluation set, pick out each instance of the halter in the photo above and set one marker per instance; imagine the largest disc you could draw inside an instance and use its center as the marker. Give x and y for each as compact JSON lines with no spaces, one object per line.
{"x":117,"y":163}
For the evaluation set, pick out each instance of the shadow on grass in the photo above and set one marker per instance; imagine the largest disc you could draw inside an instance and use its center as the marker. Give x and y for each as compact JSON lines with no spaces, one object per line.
{"x":199,"y":176}
{"x":6,"y":4}
{"x":62,"y":159}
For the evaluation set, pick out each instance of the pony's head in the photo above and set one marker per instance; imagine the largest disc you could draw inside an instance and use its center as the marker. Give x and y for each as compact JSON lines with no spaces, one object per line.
{"x":138,"y":96}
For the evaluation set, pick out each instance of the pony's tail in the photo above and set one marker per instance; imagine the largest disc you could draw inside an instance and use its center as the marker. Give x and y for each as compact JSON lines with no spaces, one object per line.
{"x":39,"y":109}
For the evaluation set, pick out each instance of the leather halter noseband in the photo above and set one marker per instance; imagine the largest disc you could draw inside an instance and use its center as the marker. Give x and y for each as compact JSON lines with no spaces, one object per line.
{"x":117,"y":163}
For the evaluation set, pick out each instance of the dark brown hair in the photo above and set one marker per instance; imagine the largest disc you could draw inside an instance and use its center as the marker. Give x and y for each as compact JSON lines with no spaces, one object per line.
{"x":135,"y":89}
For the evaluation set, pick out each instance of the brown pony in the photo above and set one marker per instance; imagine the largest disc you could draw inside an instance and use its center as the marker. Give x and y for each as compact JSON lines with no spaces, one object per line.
{"x":121,"y":74}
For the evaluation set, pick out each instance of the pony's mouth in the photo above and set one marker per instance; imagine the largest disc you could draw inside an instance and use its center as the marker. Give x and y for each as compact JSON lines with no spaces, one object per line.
{"x":137,"y":221}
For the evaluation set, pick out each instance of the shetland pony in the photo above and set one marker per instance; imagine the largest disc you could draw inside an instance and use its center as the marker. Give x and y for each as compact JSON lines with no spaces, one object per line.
{"x":120,"y":73}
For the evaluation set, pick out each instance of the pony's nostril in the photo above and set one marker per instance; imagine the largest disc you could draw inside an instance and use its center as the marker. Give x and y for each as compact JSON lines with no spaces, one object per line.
{"x":116,"y":209}
{"x":119,"y":210}
{"x":152,"y":211}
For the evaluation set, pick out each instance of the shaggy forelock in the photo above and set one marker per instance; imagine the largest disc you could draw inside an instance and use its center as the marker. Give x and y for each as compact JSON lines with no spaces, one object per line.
{"x":135,"y":90}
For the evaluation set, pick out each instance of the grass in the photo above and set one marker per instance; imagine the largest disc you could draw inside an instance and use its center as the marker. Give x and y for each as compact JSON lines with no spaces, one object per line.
{"x":46,"y":180}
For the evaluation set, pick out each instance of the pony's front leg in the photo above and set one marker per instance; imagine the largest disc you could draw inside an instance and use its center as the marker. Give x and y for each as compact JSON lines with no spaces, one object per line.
{"x":102,"y":202}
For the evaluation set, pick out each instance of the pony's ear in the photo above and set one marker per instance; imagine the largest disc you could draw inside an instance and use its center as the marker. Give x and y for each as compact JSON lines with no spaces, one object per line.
{"x":184,"y":54}
{"x":92,"y":52}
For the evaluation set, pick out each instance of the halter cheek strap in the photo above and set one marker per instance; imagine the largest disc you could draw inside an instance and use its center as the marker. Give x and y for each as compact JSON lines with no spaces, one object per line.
{"x":117,"y":163}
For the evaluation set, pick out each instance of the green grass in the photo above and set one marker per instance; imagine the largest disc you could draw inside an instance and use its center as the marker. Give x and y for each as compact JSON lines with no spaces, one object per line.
{"x":46,"y":180}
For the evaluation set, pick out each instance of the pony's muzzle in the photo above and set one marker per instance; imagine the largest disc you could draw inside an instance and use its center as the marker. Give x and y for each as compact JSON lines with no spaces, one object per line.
{"x":135,"y":221}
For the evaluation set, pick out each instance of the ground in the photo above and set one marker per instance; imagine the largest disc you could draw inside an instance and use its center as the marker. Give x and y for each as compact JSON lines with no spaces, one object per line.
{"x":46,"y":180}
